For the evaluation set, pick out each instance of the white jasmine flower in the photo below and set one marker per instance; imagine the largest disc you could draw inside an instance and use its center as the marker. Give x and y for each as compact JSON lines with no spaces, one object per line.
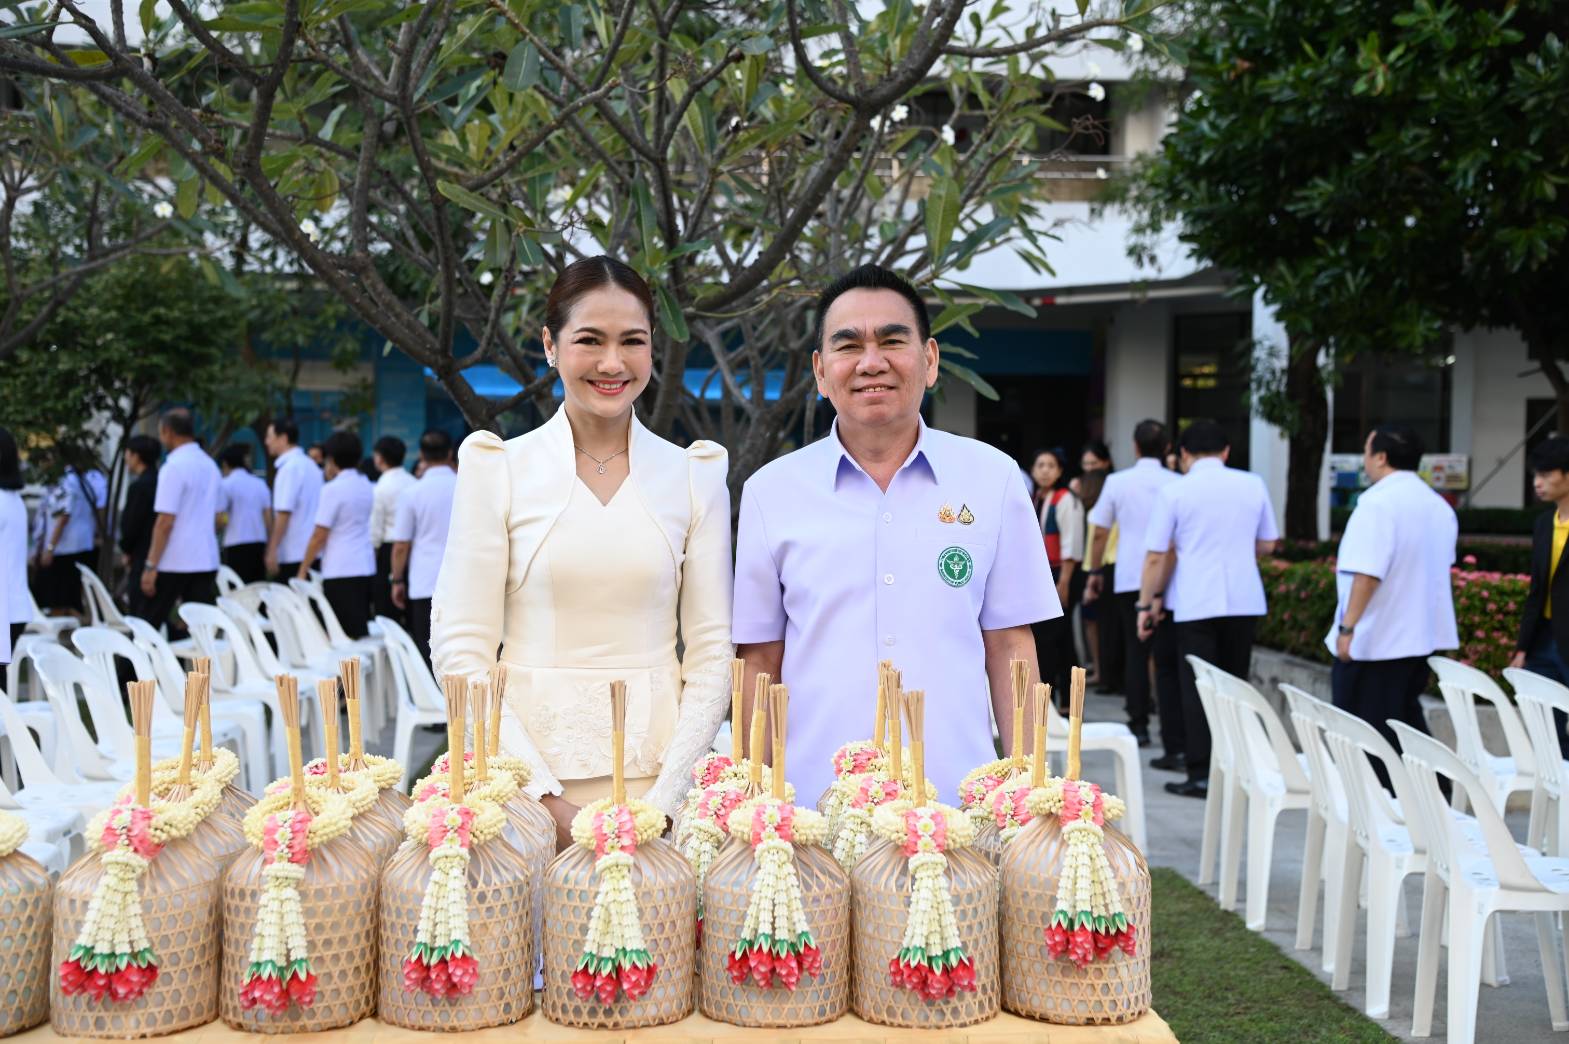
{"x":558,"y":196}
{"x":947,"y":134}
{"x":163,"y":210}
{"x":486,"y":278}
{"x":311,"y":231}
{"x":735,"y":122}
{"x":899,"y":112}
{"x":1096,"y":92}
{"x":1135,"y":43}
{"x":787,"y":89}
{"x":1411,"y":221}
{"x":1092,"y":70}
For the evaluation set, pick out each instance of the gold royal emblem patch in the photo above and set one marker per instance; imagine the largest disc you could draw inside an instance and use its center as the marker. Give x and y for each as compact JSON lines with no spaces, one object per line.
{"x":946,"y":515}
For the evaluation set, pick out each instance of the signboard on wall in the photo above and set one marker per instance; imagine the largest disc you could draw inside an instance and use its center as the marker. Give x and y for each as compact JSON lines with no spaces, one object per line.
{"x":1449,"y":472}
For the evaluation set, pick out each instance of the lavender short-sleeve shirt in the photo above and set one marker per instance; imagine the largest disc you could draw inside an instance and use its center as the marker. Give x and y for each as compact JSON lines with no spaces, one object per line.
{"x":848,"y":575}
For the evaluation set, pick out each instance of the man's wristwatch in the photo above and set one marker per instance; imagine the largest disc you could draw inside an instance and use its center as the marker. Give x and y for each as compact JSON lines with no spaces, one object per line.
{"x":395,"y":580}
{"x":149,"y":567}
{"x":1347,"y":629}
{"x":1141,"y":608}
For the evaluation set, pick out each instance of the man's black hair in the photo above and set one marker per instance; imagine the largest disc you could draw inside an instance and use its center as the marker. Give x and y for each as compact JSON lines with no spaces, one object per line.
{"x":179,"y":422}
{"x":1098,"y":449}
{"x":872,"y":277}
{"x":343,"y":448}
{"x":1203,"y":438}
{"x":391,"y":449}
{"x":286,"y":427}
{"x":236,"y":455}
{"x":1151,"y":439}
{"x":1401,"y":445}
{"x":145,"y":448}
{"x":1551,"y":454}
{"x":435,"y":446}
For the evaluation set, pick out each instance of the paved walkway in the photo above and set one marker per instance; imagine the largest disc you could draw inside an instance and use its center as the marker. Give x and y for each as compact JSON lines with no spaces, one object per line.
{"x":1516,"y":1013}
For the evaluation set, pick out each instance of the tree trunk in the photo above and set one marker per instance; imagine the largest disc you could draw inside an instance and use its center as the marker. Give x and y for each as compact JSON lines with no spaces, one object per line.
{"x":1305,"y":390}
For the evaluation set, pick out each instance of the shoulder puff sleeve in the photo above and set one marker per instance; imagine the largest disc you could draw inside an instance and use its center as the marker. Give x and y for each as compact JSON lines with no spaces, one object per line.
{"x":467,"y":607}
{"x":705,"y":624}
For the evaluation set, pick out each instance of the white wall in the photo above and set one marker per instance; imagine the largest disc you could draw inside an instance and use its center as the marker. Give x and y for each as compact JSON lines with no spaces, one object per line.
{"x":1488,"y":410}
{"x":1269,"y":454}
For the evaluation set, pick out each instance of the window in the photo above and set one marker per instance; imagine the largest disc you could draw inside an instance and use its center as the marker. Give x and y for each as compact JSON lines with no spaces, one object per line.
{"x":1086,"y":126}
{"x":1213,"y":359}
{"x":1377,"y":389}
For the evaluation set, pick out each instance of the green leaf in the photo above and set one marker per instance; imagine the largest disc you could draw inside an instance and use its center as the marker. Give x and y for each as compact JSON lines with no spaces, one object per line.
{"x":756,"y":45}
{"x":133,"y":163}
{"x":959,"y":314}
{"x":528,"y":253}
{"x":522,"y":70}
{"x":10,"y":32}
{"x":968,"y":376}
{"x":325,"y":190}
{"x":942,"y":215}
{"x":647,"y":220}
{"x":470,"y":200}
{"x":149,"y":16}
{"x":186,"y":197}
{"x":670,"y":317}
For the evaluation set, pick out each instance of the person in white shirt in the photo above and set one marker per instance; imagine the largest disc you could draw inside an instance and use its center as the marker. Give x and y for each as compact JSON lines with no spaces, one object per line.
{"x":1126,"y":501}
{"x":182,"y":561}
{"x":296,"y":485}
{"x":1394,"y":603}
{"x":74,"y":504}
{"x":16,"y":608}
{"x":391,"y":480}
{"x":1201,"y":566}
{"x":245,"y":514}
{"x":419,"y":535}
{"x":342,"y":535}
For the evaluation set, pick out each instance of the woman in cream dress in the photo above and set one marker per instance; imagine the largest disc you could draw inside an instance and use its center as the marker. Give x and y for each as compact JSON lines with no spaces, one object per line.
{"x":581,"y":549}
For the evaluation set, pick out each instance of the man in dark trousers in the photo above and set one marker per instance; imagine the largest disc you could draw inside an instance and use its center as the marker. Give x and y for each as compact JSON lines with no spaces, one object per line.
{"x":1394,"y":603}
{"x":1544,"y":635}
{"x":137,"y":517}
{"x":1200,"y":565}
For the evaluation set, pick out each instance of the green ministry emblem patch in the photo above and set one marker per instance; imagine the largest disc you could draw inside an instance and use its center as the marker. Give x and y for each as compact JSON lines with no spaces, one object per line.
{"x":955,"y":566}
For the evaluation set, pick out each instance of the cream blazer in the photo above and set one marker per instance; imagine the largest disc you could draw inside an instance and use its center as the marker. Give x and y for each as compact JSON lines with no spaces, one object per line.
{"x":509,"y":495}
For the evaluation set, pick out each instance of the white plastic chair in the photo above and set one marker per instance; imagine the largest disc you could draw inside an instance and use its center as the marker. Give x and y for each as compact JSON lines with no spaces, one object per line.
{"x":254,"y":670}
{"x":420,"y":703}
{"x":242,"y":728}
{"x":1119,"y":740}
{"x":1324,"y":848}
{"x":67,"y":676}
{"x":1222,"y":792}
{"x":229,"y":581}
{"x":47,"y":797}
{"x":1272,"y":781}
{"x":101,"y":610}
{"x":51,"y":627}
{"x":36,"y":712}
{"x":16,"y":683}
{"x":1502,"y":774}
{"x":372,"y":650}
{"x":54,"y":835}
{"x":1477,"y":886}
{"x":1538,"y":698}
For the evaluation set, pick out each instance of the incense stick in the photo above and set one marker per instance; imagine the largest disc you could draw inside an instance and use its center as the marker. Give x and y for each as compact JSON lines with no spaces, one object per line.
{"x":142,"y":694}
{"x":778,"y":704}
{"x":1020,"y":669}
{"x":498,"y":691}
{"x":618,"y":740}
{"x":755,"y":740}
{"x":479,"y":700}
{"x":1039,"y":699}
{"x":202,"y":666}
{"x":880,"y":723}
{"x":455,"y":688}
{"x":1075,"y":719}
{"x":192,"y":715}
{"x":327,"y":696}
{"x":349,"y":676}
{"x":895,"y":738}
{"x":915,"y":712}
{"x":288,"y":687}
{"x":737,"y":711}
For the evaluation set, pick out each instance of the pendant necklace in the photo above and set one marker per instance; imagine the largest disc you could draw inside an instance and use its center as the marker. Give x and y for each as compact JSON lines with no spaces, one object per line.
{"x":601,"y":468}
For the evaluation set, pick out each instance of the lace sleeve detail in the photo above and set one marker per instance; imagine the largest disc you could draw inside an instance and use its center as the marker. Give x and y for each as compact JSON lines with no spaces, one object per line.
{"x":705,"y":700}
{"x":515,"y":741}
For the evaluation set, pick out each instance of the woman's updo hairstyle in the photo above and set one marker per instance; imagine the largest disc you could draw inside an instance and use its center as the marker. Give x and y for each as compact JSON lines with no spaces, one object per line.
{"x":589,"y":274}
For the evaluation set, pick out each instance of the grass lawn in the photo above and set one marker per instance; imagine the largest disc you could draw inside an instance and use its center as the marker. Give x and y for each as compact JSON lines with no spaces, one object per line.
{"x":1216,"y":981}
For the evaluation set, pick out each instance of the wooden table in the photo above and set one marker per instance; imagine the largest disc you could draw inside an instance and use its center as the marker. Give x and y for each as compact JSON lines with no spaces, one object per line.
{"x":1151,"y":1029}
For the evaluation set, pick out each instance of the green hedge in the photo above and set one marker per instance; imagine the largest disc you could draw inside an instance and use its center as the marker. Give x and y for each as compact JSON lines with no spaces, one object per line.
{"x":1302,"y":607}
{"x":1480,"y":521}
{"x":1487,"y":556}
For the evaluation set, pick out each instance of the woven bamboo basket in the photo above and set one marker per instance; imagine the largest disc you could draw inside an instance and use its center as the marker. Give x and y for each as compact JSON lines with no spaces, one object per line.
{"x":234,"y":803}
{"x":500,"y":903}
{"x":338,"y":906}
{"x":988,"y":842}
{"x":881,"y":888}
{"x":372,"y":833}
{"x":24,"y":947}
{"x":1109,"y":991}
{"x":532,"y":831}
{"x":825,"y":894}
{"x":219,"y":838}
{"x":389,"y":807}
{"x":667,"y":903}
{"x":180,"y":907}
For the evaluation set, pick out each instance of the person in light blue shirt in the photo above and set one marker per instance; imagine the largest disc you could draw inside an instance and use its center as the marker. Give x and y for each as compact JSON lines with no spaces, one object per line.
{"x":74,"y":504}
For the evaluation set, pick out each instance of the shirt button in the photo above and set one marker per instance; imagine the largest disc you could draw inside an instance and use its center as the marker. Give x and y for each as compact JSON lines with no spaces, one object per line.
{"x":887,"y":578}
{"x":888,"y":640}
{"x":887,"y":516}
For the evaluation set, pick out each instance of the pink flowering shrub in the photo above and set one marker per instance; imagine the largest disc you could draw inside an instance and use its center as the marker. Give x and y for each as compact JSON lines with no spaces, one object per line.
{"x":1302,"y":607}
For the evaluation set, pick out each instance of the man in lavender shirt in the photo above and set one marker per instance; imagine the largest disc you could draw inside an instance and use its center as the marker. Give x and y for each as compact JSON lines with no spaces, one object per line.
{"x":887,"y":540}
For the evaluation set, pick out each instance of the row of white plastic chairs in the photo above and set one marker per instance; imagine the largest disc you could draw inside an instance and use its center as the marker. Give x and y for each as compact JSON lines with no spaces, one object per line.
{"x":1471,"y":865}
{"x":64,"y":775}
